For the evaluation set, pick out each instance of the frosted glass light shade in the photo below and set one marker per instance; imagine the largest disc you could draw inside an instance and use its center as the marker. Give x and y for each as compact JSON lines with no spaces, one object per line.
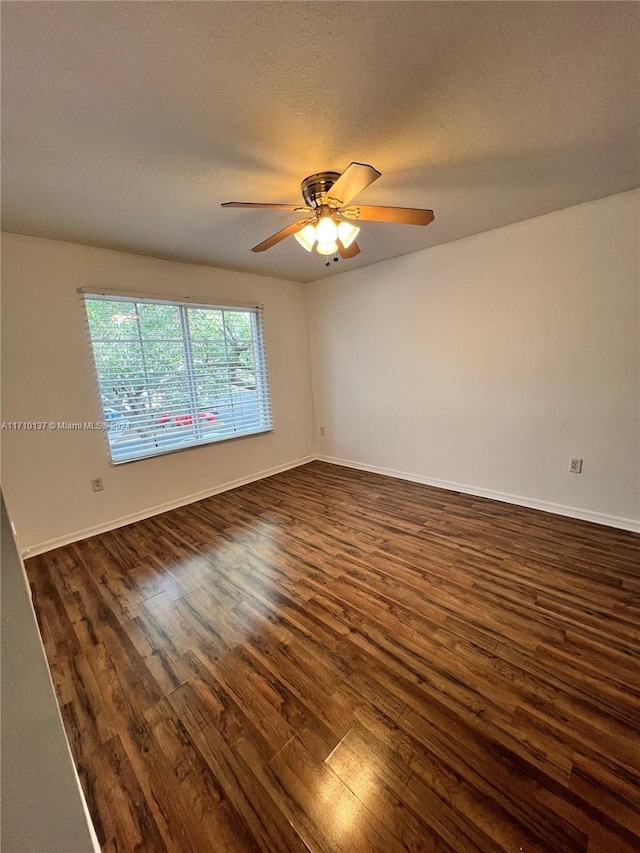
{"x":306,"y":237}
{"x":327,"y":248}
{"x":347,"y":233}
{"x":326,"y":230}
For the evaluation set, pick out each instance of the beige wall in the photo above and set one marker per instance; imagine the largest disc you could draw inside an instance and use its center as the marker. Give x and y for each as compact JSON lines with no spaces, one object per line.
{"x":482,"y":364}
{"x":47,"y":376}
{"x":490,"y":361}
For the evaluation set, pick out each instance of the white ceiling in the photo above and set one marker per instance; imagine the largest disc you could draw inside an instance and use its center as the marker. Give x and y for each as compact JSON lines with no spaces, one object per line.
{"x":126,"y":124}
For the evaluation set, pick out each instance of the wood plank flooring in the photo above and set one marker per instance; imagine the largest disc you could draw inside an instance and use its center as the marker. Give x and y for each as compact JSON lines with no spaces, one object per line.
{"x":330,"y":660}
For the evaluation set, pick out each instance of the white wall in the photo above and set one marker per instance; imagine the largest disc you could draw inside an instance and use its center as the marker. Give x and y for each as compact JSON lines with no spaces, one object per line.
{"x":48,"y":376}
{"x":43,"y":808}
{"x":489,"y":361}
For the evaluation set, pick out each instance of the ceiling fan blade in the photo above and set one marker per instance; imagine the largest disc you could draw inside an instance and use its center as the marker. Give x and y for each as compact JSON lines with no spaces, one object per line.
{"x":281,"y":235}
{"x":355,"y":178}
{"x":401,"y":215}
{"x":350,"y":252}
{"x":259,"y":204}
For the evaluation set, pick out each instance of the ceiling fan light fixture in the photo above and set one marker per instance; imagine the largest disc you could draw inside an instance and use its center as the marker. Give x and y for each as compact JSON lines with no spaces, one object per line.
{"x":326,"y":230}
{"x":328,"y":205}
{"x":306,"y":237}
{"x":327,"y":248}
{"x":347,"y":233}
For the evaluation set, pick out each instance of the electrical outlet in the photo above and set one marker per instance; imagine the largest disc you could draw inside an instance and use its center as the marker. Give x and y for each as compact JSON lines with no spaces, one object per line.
{"x":575,"y":466}
{"x":323,"y":431}
{"x":97,"y":484}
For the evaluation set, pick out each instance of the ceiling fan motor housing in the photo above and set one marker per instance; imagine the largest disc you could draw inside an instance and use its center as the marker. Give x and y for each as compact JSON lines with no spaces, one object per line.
{"x":316,"y":187}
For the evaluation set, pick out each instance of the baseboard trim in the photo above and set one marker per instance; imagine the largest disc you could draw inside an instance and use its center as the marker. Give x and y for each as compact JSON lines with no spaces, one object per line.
{"x":50,"y":544}
{"x":532,"y":503}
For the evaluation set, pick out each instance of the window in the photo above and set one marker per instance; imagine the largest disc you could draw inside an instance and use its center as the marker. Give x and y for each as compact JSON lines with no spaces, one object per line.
{"x":173,"y":374}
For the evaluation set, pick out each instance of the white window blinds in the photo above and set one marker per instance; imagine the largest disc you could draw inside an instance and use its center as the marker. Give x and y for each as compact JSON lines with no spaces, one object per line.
{"x":173,"y":374}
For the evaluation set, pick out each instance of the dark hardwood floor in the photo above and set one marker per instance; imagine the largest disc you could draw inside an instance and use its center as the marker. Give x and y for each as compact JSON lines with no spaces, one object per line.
{"x":329,"y":660}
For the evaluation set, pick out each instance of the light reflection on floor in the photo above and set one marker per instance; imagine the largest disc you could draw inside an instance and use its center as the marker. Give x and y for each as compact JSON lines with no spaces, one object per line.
{"x":350,"y":794}
{"x":234,"y":550}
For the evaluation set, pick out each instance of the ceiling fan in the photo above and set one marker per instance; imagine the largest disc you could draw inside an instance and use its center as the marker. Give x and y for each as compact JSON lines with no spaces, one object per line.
{"x":329,"y":215}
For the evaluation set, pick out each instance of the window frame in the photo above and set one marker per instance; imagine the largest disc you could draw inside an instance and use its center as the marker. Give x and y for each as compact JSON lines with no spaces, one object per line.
{"x":263,"y":390}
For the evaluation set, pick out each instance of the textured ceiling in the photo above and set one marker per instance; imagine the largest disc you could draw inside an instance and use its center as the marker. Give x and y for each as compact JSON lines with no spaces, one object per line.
{"x":127,"y":124}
